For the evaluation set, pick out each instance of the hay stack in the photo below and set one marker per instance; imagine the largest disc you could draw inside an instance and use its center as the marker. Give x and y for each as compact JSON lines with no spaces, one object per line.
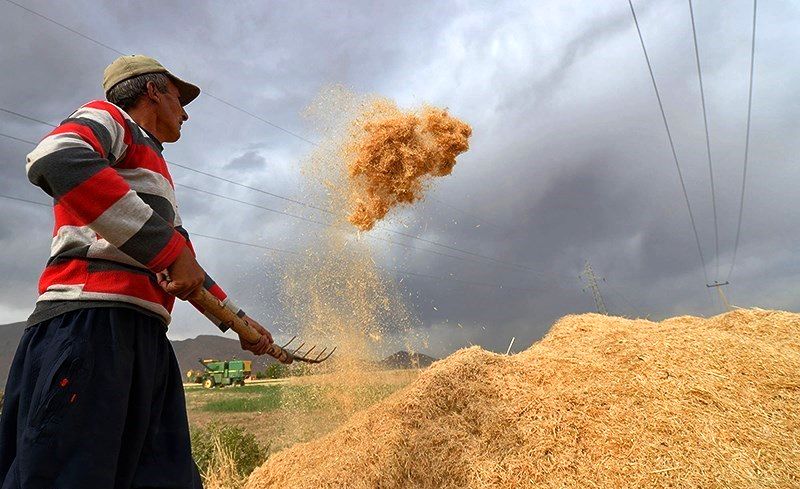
{"x":599,"y":402}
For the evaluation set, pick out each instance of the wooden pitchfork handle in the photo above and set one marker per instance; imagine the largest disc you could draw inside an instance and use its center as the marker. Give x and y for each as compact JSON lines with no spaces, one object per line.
{"x":214,"y":306}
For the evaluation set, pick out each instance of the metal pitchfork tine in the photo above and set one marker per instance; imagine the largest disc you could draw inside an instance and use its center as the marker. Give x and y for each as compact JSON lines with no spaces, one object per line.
{"x":287,"y":356}
{"x":211,"y":304}
{"x":306,"y":357}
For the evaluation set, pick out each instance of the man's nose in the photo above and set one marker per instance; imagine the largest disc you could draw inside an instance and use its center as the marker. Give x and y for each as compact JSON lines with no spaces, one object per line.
{"x":184,"y":115}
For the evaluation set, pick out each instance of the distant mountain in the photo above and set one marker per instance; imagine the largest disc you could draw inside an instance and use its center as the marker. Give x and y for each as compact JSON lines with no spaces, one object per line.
{"x":186,"y":351}
{"x":404,"y":359}
{"x":211,"y":346}
{"x":204,"y":346}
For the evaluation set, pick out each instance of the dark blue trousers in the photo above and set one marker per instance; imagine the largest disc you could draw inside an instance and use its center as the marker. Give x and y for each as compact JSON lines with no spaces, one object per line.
{"x":94,"y":400}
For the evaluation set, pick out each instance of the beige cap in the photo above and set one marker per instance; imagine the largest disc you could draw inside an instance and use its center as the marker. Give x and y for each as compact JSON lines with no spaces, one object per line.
{"x":126,"y":67}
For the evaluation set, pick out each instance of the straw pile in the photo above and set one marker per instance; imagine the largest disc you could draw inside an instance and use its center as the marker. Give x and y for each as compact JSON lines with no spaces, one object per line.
{"x":390,"y":154}
{"x":599,"y":402}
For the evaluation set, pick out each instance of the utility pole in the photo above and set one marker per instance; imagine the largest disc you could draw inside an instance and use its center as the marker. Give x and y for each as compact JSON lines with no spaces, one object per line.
{"x":591,"y":278}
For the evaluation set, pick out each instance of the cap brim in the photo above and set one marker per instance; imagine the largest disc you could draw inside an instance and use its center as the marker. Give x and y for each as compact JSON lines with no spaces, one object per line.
{"x":187,"y":91}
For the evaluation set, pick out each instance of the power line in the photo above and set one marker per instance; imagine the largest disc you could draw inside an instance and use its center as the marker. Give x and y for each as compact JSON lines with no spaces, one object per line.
{"x":259,"y":118}
{"x":65,"y":27}
{"x":17,"y":139}
{"x":468,"y":214}
{"x":625,"y":300}
{"x":399,"y":233}
{"x":466,"y":282}
{"x":11,"y":197}
{"x":225,"y":102}
{"x":201,"y":172}
{"x":478,"y":255}
{"x":708,"y":142}
{"x":271,"y":124}
{"x":254,"y":245}
{"x":26,"y":117}
{"x":746,"y":143}
{"x":323,"y":224}
{"x":321,"y":209}
{"x":391,"y":231}
{"x":269,"y":209}
{"x":226,"y":240}
{"x":671,"y":143}
{"x":319,"y":223}
{"x":106,"y":46}
{"x":368,"y":236}
{"x":239,"y":184}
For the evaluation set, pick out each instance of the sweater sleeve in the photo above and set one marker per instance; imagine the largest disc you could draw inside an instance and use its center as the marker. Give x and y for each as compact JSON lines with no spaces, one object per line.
{"x":74,"y":165}
{"x":212,"y":287}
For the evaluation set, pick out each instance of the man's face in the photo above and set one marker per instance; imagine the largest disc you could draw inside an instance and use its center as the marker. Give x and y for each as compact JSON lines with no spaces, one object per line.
{"x":170,"y":114}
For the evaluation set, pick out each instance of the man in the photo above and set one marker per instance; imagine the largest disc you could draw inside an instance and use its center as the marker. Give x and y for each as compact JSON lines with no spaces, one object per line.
{"x":94,"y":397}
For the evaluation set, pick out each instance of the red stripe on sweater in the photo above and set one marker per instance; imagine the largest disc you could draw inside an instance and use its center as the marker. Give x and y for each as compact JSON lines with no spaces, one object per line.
{"x":128,"y":283}
{"x":62,"y":217}
{"x":72,"y":272}
{"x":83,"y":132}
{"x":116,"y":114}
{"x":168,"y":254}
{"x":217,"y":292}
{"x":91,"y":198}
{"x":142,"y":156}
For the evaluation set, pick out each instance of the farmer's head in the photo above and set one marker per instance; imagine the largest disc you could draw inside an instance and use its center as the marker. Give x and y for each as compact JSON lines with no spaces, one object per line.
{"x":153,"y":96}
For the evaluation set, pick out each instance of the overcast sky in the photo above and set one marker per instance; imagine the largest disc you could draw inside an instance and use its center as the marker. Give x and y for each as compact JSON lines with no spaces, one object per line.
{"x":569,"y":160}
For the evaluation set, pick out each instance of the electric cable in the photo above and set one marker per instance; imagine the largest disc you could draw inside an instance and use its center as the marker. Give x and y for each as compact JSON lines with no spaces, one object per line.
{"x":17,"y":139}
{"x":378,"y":238}
{"x":185,"y":167}
{"x":746,"y":143}
{"x":106,"y":46}
{"x":239,"y":184}
{"x":254,"y":245}
{"x":400,"y":233}
{"x":225,"y":102}
{"x":468,"y":214}
{"x":26,"y":117}
{"x":671,"y":144}
{"x":708,"y":143}
{"x":25,"y":200}
{"x":65,"y":27}
{"x":615,"y":290}
{"x":323,"y":224}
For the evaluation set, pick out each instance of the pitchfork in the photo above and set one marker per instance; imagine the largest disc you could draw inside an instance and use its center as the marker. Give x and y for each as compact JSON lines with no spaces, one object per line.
{"x":285,"y":355}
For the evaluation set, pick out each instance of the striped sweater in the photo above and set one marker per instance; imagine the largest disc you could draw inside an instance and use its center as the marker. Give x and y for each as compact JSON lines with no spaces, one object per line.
{"x":116,"y":217}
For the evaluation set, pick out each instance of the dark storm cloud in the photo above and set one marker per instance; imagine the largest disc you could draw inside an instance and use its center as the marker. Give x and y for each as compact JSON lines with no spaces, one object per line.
{"x":568,"y":162}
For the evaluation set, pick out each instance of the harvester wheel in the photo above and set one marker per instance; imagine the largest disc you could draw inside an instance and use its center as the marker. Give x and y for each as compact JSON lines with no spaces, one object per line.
{"x":240,"y":383}
{"x":208,"y":383}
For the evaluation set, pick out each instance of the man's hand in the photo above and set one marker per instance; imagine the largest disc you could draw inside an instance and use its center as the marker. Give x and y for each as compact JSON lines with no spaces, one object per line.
{"x":185,"y":276}
{"x":260,"y":347}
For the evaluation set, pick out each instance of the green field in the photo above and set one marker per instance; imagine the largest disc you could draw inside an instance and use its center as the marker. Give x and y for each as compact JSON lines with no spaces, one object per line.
{"x":282,"y":412}
{"x":271,"y":397}
{"x":252,"y":398}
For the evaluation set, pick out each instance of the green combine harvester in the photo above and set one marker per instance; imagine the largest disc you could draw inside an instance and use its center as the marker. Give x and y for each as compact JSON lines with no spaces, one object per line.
{"x":222,"y":373}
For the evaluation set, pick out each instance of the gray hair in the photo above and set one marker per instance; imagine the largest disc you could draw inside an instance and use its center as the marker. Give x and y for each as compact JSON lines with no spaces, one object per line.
{"x":126,"y":93}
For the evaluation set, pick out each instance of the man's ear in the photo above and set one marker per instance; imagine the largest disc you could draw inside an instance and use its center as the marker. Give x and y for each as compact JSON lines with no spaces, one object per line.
{"x":152,"y":92}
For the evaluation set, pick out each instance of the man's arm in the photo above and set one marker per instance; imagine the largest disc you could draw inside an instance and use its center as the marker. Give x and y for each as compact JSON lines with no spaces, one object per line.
{"x":73,"y":164}
{"x":260,"y":347}
{"x":209,"y":284}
